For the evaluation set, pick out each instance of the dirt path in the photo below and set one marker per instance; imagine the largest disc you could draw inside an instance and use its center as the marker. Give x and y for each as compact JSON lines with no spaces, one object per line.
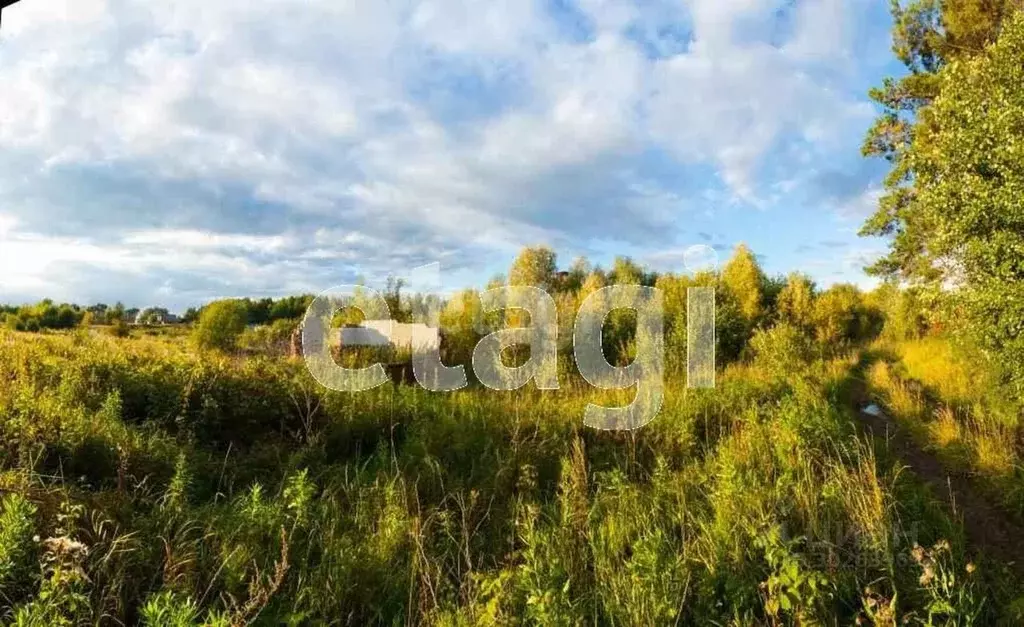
{"x":986,"y":526}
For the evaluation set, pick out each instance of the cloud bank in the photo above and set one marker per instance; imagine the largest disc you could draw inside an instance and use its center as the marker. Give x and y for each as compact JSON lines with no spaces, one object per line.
{"x":168,"y":153}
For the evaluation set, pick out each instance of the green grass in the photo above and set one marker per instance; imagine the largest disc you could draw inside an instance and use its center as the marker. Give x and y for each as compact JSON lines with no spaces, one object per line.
{"x":146,"y":483}
{"x":953,"y":405}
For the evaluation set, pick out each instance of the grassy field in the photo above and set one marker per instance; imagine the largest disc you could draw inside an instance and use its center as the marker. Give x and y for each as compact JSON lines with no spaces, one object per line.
{"x":145,"y":482}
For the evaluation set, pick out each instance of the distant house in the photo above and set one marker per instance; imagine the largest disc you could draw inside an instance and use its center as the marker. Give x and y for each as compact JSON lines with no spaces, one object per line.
{"x":388,"y":333}
{"x":155,"y":315}
{"x":5,"y":3}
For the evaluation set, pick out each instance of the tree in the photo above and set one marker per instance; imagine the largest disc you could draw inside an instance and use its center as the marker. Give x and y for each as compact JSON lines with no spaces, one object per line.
{"x":958,"y":220}
{"x":290,"y":307}
{"x":839,"y":315}
{"x":534,"y":266}
{"x":220,"y":325}
{"x":67,"y":317}
{"x":116,"y":313}
{"x":926,"y":35}
{"x":595,"y":281}
{"x":674,"y":293}
{"x":460,"y":321}
{"x":578,"y":272}
{"x":906,"y":315}
{"x":99,"y":313}
{"x":259,"y":310}
{"x":400,"y":310}
{"x":152,"y":315}
{"x":743,"y":277}
{"x":795,"y":303}
{"x":625,"y":271}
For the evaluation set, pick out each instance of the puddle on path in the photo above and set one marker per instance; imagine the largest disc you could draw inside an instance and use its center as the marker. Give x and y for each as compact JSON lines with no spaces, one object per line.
{"x":873,"y":410}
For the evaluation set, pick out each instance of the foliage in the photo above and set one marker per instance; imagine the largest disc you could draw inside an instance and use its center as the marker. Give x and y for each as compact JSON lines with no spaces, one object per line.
{"x":152,"y":315}
{"x":795,"y":302}
{"x":174,"y":486}
{"x":119,"y":328}
{"x":841,"y":315}
{"x":952,"y":205}
{"x":906,"y":311}
{"x":534,"y":266}
{"x":782,"y":351}
{"x":927,"y":35}
{"x":16,"y":529}
{"x":792,"y":589}
{"x":220,"y":325}
{"x":743,"y":277}
{"x":43,"y":315}
{"x":269,"y":339}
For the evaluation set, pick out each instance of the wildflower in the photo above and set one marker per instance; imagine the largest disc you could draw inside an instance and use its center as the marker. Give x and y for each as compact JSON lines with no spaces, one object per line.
{"x":918,"y":553}
{"x":970,"y":567}
{"x":928,"y":575}
{"x":66,"y":546}
{"x":941,"y":545}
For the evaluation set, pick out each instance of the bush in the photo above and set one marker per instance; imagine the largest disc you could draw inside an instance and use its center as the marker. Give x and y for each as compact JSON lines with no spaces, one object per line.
{"x":119,"y":328}
{"x":841,"y":316}
{"x":783,"y":351}
{"x":220,"y":325}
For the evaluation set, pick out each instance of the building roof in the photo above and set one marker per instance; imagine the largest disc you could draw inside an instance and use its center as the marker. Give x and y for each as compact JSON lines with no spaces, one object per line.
{"x":6,"y":3}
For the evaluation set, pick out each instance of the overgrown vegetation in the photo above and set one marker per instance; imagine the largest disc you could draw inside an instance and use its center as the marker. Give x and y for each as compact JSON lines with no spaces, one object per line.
{"x":153,"y":480}
{"x":169,"y":478}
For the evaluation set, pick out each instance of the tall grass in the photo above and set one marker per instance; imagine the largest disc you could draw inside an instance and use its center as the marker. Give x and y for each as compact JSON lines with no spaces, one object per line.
{"x":955,"y":405}
{"x":170,"y":488}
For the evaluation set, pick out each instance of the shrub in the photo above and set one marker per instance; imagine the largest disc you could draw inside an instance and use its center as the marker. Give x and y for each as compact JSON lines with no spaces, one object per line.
{"x":119,"y":328}
{"x":220,"y":325}
{"x":783,"y":351}
{"x":796,"y":301}
{"x":16,"y":526}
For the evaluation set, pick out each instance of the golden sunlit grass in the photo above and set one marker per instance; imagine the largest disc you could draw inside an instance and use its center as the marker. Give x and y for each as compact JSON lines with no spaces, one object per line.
{"x":967,"y":418}
{"x":244,"y":493}
{"x":945,"y":429}
{"x":933,"y":362}
{"x":994,"y":452}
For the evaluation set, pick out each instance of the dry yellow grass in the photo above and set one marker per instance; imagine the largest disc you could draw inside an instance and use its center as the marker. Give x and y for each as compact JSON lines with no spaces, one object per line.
{"x":934,"y":363}
{"x":994,"y":452}
{"x":973,"y":422}
{"x":944,"y":430}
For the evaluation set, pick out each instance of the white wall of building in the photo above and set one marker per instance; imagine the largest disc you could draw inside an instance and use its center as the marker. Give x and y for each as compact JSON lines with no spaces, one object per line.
{"x":415,"y":336}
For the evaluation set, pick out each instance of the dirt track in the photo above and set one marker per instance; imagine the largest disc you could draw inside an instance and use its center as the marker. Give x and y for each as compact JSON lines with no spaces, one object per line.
{"x":987,"y":527}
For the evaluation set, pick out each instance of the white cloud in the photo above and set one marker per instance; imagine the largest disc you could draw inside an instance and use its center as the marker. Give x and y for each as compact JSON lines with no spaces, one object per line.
{"x":200,"y":240}
{"x":238,"y":129}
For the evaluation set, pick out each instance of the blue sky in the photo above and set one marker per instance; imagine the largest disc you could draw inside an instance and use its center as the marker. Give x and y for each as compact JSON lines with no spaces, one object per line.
{"x":170,"y":153}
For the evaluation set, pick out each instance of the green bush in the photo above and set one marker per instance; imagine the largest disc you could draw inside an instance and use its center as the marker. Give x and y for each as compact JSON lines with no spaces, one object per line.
{"x":17,"y":523}
{"x":782,"y":351}
{"x":220,"y":325}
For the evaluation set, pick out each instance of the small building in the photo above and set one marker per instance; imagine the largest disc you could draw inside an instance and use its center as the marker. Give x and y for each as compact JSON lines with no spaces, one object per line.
{"x":4,"y":4}
{"x":383,"y":333}
{"x":155,"y":315}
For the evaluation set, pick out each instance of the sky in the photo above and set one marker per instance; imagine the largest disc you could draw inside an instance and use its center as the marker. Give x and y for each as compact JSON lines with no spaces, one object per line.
{"x":169,"y":153}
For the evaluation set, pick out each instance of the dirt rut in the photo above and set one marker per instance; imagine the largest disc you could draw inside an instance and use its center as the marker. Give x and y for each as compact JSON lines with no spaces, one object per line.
{"x":988,"y":528}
